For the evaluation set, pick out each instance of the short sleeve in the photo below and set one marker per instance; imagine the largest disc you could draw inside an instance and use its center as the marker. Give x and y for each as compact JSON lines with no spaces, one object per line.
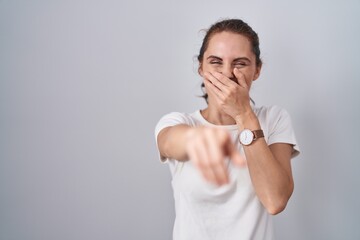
{"x":281,"y":129}
{"x":169,"y":120}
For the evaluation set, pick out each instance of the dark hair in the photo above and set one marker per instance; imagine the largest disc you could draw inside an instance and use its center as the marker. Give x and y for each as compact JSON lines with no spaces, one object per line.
{"x":234,"y":26}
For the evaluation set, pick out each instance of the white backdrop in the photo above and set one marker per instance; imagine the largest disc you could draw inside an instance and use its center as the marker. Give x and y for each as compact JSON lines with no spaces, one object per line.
{"x":83,"y":83}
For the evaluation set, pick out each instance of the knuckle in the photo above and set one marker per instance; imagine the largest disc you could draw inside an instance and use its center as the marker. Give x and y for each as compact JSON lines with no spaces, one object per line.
{"x":233,"y":89}
{"x":214,"y":161}
{"x":223,"y":135}
{"x":208,"y":133}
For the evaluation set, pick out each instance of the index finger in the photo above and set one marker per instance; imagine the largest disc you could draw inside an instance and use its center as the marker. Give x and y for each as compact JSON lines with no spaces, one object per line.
{"x":217,"y":158}
{"x":215,"y":81}
{"x":240,"y":77}
{"x":224,"y":79}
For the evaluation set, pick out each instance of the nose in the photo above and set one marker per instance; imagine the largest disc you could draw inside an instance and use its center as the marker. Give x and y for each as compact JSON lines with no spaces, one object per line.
{"x":228,"y":71}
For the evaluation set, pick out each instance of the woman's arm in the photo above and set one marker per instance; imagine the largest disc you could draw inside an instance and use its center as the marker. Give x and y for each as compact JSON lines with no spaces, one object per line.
{"x":172,"y":142}
{"x":269,"y":167}
{"x":270,"y":172}
{"x":206,"y":147}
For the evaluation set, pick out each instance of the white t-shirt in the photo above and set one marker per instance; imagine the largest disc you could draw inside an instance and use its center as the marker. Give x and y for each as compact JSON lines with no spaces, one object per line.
{"x":230,"y":212}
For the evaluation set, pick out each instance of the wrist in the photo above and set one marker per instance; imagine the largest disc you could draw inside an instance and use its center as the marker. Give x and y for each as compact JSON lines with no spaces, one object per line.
{"x":247,"y":120}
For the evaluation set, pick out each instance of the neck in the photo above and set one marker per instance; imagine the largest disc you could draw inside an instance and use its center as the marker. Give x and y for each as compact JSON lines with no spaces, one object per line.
{"x":216,"y":116}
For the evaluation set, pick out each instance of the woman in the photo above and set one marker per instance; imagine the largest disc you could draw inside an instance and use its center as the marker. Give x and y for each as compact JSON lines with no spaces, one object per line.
{"x":230,"y":162}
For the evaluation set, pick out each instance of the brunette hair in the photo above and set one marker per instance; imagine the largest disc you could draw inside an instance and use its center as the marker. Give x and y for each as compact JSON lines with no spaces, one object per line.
{"x":235,"y":26}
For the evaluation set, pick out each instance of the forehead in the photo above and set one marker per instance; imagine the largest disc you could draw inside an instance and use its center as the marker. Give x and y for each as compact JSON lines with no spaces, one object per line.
{"x":229,"y":45}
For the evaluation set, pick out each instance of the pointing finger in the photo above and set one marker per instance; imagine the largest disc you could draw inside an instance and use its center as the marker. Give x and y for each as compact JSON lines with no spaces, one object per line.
{"x":217,"y":158}
{"x":235,"y":155}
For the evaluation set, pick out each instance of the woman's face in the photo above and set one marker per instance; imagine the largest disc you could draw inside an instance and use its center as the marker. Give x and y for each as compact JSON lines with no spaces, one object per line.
{"x":226,"y":51}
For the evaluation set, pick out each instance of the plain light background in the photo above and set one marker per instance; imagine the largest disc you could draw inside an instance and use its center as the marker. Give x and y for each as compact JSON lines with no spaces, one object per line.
{"x":83,"y":84}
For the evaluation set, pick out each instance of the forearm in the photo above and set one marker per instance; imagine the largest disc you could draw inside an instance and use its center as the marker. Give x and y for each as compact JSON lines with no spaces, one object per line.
{"x":172,"y":142}
{"x":206,"y":147}
{"x":271,"y":179}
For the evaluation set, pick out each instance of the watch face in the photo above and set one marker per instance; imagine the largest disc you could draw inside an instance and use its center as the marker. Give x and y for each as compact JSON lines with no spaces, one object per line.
{"x":246,"y":137}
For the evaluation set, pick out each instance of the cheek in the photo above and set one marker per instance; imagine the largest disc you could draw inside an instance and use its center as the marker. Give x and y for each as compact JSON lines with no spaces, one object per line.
{"x":210,"y":67}
{"x":250,"y":74}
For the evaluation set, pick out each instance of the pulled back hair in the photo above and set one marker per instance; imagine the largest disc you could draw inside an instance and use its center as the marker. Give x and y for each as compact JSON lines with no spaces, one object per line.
{"x":234,"y":26}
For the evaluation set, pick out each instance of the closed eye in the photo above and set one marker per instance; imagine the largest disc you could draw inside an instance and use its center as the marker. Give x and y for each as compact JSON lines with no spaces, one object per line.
{"x":214,"y":60}
{"x":240,"y":64}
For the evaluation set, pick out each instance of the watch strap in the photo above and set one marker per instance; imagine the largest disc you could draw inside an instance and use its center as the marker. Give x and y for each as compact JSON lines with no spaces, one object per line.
{"x":258,"y":134}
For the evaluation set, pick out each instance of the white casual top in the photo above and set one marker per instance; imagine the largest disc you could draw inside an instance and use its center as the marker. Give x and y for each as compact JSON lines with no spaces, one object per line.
{"x":233,"y":211}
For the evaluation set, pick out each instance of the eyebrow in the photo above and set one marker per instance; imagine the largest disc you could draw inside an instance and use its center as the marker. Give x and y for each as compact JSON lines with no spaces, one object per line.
{"x":235,"y":60}
{"x":241,"y":59}
{"x":212,"y":56}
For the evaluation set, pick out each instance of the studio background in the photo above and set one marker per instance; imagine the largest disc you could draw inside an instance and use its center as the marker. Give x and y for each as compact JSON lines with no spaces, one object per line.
{"x":83,"y":84}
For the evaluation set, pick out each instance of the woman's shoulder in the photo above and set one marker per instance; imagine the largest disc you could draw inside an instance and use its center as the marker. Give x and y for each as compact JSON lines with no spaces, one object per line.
{"x":270,"y":112}
{"x":181,"y":117}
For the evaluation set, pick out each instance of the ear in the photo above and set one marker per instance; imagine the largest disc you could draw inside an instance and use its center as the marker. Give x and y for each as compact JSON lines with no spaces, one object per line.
{"x":257,"y":72}
{"x":200,"y":71}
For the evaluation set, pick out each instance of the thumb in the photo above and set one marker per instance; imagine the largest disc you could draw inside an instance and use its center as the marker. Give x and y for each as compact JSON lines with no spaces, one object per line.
{"x":235,"y":156}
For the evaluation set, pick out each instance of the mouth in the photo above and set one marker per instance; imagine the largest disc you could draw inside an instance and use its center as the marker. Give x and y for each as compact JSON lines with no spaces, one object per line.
{"x":234,"y":80}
